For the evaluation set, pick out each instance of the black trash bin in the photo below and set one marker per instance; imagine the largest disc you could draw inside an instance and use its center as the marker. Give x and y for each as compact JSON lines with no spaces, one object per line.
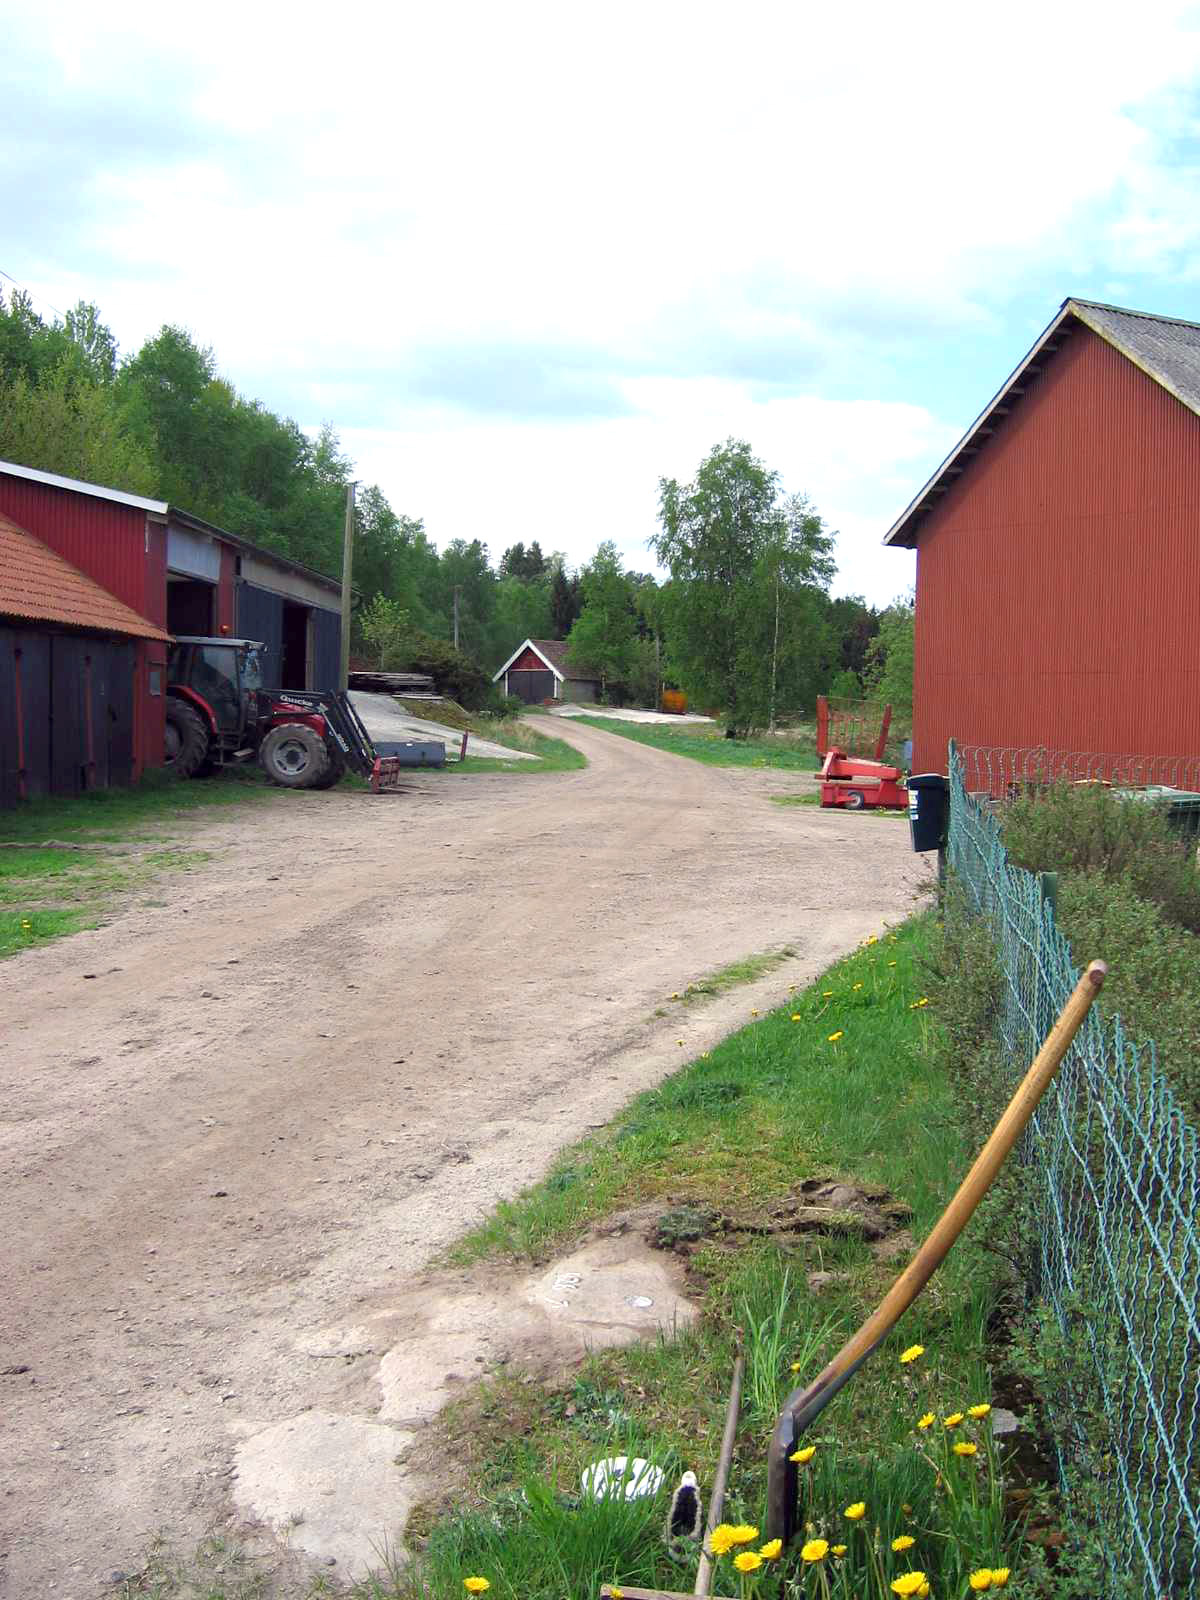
{"x":928,"y":809}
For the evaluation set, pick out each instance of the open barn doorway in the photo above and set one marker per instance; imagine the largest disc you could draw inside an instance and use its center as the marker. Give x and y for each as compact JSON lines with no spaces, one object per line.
{"x":295,"y":655}
{"x":191,"y":604}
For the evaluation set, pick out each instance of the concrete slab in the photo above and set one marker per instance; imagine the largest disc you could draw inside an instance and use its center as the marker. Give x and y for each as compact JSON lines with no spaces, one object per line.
{"x":329,"y":1486}
{"x":385,"y":720}
{"x":630,"y":714}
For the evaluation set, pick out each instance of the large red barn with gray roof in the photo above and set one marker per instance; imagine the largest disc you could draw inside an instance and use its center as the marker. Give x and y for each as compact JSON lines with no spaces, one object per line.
{"x":1058,"y":551}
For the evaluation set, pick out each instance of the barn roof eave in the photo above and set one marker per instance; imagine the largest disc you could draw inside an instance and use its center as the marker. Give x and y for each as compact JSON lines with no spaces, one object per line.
{"x":903,"y":532}
{"x":528,"y":644}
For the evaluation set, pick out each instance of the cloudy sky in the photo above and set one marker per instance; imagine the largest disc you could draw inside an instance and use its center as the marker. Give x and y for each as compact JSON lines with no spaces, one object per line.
{"x":528,"y":259}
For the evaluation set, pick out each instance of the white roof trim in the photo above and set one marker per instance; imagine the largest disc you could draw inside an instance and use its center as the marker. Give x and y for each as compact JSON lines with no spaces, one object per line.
{"x":137,"y":501}
{"x":521,"y":648}
{"x":894,"y":535}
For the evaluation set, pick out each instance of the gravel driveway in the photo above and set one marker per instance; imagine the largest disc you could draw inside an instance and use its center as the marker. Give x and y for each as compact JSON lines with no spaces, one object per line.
{"x":232,"y":1115}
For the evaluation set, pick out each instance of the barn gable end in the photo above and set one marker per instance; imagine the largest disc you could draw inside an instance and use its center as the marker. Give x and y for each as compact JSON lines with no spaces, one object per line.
{"x":1058,"y":568}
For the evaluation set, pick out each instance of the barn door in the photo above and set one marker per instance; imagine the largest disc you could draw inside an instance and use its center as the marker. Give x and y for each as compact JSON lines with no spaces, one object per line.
{"x":532,"y":687}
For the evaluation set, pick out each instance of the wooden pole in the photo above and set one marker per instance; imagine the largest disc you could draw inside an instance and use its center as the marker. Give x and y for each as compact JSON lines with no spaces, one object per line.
{"x":347,"y":570}
{"x":804,"y":1405}
{"x":716,"y":1500}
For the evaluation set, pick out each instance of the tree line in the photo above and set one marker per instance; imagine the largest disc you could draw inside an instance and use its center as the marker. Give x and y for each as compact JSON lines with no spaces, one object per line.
{"x":744,"y":622}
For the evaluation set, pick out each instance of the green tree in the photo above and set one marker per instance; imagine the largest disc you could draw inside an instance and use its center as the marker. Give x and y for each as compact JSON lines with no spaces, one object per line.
{"x":75,"y":428}
{"x":522,"y":612}
{"x":889,"y":669}
{"x":564,"y":601}
{"x":385,"y":627}
{"x":746,"y":575}
{"x":602,"y":639}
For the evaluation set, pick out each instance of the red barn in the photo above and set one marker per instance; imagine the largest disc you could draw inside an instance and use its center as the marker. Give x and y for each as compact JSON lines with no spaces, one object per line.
{"x":539,"y":670}
{"x":1058,"y":551}
{"x":183,"y":576}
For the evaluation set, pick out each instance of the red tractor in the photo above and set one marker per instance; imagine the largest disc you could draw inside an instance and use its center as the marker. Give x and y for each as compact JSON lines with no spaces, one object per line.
{"x":219,"y":713}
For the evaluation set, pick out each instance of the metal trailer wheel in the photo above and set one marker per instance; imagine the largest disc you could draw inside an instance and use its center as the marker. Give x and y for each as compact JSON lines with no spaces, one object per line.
{"x":855,"y":800}
{"x":294,"y":756}
{"x":185,"y":740}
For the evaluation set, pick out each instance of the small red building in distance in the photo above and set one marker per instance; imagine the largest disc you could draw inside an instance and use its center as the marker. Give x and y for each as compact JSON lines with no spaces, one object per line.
{"x":539,"y":670}
{"x":1058,"y":551}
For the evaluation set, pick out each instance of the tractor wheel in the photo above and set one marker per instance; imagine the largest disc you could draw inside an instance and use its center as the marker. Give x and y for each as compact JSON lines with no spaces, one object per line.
{"x":336,"y":771}
{"x":186,"y":739}
{"x":294,"y":755}
{"x":855,"y":800}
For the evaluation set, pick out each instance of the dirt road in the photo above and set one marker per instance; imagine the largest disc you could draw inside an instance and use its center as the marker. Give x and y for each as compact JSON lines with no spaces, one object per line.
{"x":229,"y":1117}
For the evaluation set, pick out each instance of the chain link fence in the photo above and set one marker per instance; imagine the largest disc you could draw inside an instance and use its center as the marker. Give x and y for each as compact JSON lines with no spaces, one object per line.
{"x":1112,"y":1171}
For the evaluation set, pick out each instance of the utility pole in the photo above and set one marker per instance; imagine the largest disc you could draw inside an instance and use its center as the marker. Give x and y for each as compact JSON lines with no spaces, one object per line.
{"x":347,"y":570}
{"x":457,"y":592}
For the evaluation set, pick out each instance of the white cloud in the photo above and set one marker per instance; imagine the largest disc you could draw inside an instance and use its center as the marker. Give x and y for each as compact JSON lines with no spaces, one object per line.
{"x":650,"y":202}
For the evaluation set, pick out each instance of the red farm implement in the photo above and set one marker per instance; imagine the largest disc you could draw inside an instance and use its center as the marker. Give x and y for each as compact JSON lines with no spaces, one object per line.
{"x":851,"y":737}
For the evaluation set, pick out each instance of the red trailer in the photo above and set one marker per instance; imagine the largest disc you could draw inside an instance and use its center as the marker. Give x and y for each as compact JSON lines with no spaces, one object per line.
{"x":854,"y":783}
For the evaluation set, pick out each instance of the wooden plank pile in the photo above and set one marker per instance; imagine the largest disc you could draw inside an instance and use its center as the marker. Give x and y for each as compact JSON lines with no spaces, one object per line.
{"x":411,"y":685}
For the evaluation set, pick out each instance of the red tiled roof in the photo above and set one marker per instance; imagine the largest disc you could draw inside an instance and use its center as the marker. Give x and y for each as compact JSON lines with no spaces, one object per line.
{"x":37,"y":585}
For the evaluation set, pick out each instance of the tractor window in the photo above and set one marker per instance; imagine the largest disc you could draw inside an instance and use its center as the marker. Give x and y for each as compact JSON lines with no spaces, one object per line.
{"x":214,"y":675}
{"x":252,"y":677}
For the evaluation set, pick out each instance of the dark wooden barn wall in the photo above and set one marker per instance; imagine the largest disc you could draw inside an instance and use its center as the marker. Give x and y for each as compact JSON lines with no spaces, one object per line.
{"x":66,"y":713}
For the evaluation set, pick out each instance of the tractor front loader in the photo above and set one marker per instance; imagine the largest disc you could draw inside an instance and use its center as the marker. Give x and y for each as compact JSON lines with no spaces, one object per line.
{"x":219,"y":714}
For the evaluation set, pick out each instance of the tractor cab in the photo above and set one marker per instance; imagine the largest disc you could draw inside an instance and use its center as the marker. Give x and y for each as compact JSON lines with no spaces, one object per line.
{"x":225,"y":675}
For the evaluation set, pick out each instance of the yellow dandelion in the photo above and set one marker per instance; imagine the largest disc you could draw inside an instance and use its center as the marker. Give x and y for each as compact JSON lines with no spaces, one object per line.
{"x":838,"y":1549}
{"x":904,"y":1542}
{"x":965,"y":1448}
{"x":721,"y":1539}
{"x":927,"y":1421}
{"x":834,"y":1037}
{"x":873,"y":939}
{"x":753,"y":1013}
{"x":924,"y":1000}
{"x":978,"y":1412}
{"x":476,"y":1585}
{"x":856,"y":985}
{"x":804,"y":1455}
{"x":911,"y":1354}
{"x":826,"y":994}
{"x":908,"y":1583}
{"x":615,"y":1593}
{"x":795,"y":1366}
{"x":953,"y":1420}
{"x":856,"y":1512}
{"x":923,"y":1591}
{"x":815,"y":1550}
{"x":999,"y":1577}
{"x":796,"y":1017}
{"x":981,"y":1579}
{"x":748,"y":1561}
{"x":771,"y":1549}
{"x":743,"y":1533}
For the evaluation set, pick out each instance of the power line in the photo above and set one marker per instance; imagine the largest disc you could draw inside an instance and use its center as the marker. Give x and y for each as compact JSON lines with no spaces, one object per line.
{"x":33,"y":296}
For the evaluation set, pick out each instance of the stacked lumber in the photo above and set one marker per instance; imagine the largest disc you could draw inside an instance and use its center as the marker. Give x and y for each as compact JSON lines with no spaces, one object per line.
{"x":412,"y":685}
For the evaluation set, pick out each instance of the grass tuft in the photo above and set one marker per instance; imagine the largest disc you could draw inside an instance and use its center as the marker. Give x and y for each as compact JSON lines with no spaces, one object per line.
{"x":712,"y":747}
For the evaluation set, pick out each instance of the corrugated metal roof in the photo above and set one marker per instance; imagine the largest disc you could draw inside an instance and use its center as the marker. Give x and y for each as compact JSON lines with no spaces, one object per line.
{"x":55,"y":481}
{"x":1164,"y":348}
{"x":38,"y":585}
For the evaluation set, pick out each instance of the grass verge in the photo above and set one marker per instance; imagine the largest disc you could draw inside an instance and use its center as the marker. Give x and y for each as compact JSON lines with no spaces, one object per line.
{"x":840,"y":1082}
{"x":118,"y":841}
{"x":712,"y":747}
{"x":554,"y":755}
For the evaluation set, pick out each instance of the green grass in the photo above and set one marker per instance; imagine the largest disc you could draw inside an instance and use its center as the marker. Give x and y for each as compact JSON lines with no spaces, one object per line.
{"x":121,"y":839}
{"x":748,"y":970}
{"x":712,"y":747}
{"x":119,"y":814}
{"x":554,"y":755}
{"x":777,"y":1102}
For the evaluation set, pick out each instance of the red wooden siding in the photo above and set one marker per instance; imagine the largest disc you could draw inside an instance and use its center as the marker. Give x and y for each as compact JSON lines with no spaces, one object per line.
{"x":124,"y":553}
{"x":528,"y":661}
{"x":100,"y":537}
{"x":1058,"y":584}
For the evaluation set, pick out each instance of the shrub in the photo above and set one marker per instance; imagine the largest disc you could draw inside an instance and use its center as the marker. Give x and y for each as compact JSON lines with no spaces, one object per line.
{"x":454,"y":674}
{"x":1152,"y":970}
{"x":1089,"y":828}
